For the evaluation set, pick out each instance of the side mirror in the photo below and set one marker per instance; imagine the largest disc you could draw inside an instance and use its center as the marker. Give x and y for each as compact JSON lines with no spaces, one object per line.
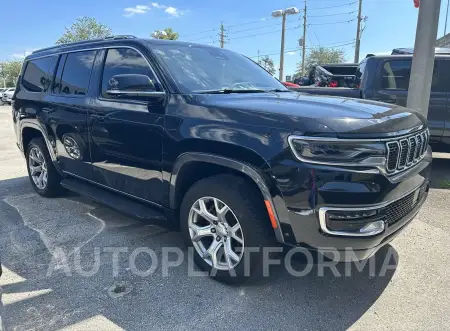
{"x":132,"y":85}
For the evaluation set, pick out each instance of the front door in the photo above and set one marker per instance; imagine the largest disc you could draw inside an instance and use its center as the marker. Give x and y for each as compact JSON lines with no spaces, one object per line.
{"x":126,"y":132}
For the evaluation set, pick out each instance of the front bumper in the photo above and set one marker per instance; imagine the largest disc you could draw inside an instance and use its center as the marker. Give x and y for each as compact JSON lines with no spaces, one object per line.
{"x":306,"y":191}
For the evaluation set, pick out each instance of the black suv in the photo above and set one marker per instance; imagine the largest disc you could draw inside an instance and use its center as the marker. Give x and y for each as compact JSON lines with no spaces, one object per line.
{"x":204,"y":138}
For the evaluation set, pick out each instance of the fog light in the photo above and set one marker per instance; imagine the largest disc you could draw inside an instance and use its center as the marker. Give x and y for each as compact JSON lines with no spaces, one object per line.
{"x":351,"y":215}
{"x":352,"y":222}
{"x":374,"y":227}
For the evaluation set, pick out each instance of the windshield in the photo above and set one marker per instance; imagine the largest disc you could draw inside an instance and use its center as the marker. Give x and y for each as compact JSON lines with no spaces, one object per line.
{"x":202,"y":69}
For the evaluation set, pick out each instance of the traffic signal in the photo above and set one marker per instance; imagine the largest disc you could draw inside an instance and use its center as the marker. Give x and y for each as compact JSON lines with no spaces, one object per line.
{"x":416,"y":3}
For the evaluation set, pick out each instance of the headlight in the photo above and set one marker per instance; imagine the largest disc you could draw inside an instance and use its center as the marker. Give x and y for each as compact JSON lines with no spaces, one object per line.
{"x":338,"y":151}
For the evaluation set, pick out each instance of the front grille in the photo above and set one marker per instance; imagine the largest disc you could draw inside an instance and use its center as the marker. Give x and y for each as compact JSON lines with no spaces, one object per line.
{"x":400,"y":208}
{"x":393,"y":153}
{"x":404,"y":148}
{"x":403,"y":153}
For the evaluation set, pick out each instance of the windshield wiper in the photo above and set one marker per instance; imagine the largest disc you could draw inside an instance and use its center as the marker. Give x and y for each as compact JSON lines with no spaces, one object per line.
{"x":228,"y":91}
{"x":278,"y":90}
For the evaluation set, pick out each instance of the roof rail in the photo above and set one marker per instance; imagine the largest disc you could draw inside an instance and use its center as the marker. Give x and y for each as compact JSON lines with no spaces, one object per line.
{"x":121,"y":36}
{"x":83,"y":42}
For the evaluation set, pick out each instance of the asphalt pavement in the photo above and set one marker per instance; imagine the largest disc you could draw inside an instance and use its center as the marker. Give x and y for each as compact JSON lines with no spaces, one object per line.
{"x":60,"y":271}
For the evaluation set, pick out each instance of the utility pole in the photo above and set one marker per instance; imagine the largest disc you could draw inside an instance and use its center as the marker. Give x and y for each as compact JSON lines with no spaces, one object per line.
{"x":358,"y":32}
{"x":423,"y":58}
{"x":304,"y":40}
{"x":258,"y":55}
{"x":222,"y":35}
{"x":283,"y":28}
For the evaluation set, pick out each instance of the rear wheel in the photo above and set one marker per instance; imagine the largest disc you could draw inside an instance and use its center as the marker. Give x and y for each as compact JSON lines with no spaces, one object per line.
{"x":43,"y":174}
{"x":224,"y":219}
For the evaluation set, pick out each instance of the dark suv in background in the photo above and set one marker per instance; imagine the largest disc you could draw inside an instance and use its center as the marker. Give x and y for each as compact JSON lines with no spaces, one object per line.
{"x":204,"y":138}
{"x":386,"y":78}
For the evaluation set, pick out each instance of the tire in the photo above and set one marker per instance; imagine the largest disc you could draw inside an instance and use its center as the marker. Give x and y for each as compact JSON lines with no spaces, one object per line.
{"x":247,"y":205}
{"x":52,"y":187}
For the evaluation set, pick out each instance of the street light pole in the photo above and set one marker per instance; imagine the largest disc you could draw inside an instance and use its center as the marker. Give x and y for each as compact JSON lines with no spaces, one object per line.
{"x":423,"y":59}
{"x":283,"y":28}
{"x":283,"y":13}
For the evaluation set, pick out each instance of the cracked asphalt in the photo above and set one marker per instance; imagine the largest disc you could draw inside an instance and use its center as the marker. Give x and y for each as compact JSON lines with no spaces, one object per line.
{"x":40,"y":237}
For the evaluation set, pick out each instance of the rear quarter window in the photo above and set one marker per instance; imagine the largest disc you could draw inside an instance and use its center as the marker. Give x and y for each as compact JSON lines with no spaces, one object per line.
{"x":37,"y":74}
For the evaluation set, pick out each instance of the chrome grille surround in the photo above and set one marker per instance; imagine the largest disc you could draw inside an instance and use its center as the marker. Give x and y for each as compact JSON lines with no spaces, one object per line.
{"x":403,"y":153}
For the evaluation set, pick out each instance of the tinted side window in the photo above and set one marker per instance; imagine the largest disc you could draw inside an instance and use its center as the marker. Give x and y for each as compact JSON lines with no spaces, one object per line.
{"x":36,"y":77}
{"x":77,"y":72}
{"x":124,"y":61}
{"x":441,"y":76}
{"x":396,"y":74}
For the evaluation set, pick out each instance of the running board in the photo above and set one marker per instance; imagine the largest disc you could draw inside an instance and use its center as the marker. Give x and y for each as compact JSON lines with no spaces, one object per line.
{"x":115,"y":201}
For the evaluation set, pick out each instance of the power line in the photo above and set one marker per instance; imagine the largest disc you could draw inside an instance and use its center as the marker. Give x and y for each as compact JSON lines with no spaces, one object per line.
{"x":340,"y":43}
{"x":344,"y":4}
{"x":260,"y":27}
{"x":260,"y":34}
{"x":201,"y":38}
{"x":327,"y":23}
{"x":271,"y":18}
{"x":251,"y":22}
{"x":315,"y":35}
{"x":349,"y":13}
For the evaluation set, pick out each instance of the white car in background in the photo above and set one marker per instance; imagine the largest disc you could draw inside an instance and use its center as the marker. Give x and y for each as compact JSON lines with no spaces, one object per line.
{"x":7,"y":95}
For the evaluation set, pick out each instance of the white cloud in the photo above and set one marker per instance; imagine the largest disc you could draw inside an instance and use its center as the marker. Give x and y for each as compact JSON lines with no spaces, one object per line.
{"x":172,"y":11}
{"x":21,"y":55}
{"x":157,"y":5}
{"x":142,"y":9}
{"x":291,"y":53}
{"x":138,"y":9}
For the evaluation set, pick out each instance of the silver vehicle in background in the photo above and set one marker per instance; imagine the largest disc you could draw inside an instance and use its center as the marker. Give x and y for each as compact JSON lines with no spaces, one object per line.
{"x":7,"y":95}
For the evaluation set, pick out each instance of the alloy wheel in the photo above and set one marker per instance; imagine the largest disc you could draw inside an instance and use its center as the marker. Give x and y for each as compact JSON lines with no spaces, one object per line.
{"x":71,"y":147}
{"x":216,"y":233}
{"x":38,"y":168}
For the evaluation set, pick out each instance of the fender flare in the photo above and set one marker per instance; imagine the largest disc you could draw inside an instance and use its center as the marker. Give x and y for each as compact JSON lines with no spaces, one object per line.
{"x":246,"y":169}
{"x":33,"y":125}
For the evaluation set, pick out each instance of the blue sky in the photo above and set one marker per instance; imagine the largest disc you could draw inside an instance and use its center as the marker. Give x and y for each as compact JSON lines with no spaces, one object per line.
{"x":29,"y":24}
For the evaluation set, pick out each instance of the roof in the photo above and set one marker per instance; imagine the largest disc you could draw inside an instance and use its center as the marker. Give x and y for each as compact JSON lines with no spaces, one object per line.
{"x":401,"y":56}
{"x":105,"y":42}
{"x":438,"y":50}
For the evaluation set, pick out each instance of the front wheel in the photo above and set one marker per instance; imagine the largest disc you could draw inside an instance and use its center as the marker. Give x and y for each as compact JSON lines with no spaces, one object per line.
{"x":224,"y":219}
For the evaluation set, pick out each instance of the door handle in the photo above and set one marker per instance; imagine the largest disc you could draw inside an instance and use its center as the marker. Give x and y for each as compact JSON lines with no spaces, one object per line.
{"x":98,"y":118}
{"x":48,"y":110}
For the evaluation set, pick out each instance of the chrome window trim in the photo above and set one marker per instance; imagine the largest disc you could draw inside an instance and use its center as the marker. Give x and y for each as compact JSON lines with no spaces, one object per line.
{"x":324,"y":210}
{"x":82,"y":49}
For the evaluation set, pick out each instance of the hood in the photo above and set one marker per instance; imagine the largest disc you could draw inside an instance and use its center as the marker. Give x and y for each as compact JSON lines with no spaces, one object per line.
{"x":346,"y":117}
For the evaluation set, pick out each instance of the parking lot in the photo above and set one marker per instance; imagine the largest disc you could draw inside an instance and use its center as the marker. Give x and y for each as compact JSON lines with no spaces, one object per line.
{"x":35,"y":232}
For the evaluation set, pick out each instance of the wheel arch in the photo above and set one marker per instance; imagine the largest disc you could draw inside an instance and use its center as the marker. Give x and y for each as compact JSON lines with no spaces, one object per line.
{"x":30,"y":130}
{"x":194,"y":161}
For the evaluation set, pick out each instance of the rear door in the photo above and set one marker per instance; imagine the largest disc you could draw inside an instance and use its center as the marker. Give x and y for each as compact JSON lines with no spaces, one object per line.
{"x":126,"y":132}
{"x":69,"y":110}
{"x":395,"y":76}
